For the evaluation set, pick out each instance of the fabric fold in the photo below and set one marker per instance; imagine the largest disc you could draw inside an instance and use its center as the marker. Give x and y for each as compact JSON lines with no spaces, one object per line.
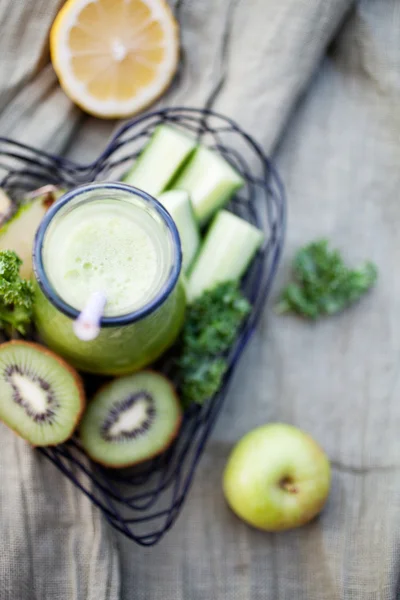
{"x":274,"y":50}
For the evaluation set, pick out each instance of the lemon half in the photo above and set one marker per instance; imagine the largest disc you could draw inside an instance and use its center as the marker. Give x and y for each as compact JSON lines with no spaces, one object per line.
{"x":114,"y":57}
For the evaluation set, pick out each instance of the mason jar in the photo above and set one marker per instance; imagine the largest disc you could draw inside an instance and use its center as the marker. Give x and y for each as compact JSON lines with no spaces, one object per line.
{"x":117,"y":238}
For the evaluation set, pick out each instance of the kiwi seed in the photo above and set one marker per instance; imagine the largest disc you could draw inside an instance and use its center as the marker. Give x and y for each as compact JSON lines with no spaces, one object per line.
{"x":123,"y":406}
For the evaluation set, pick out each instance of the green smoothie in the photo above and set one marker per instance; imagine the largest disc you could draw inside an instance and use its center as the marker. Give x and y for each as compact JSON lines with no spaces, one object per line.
{"x":111,"y":239}
{"x":105,"y":246}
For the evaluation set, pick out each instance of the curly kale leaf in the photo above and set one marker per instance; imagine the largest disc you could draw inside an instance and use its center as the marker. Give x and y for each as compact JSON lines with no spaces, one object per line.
{"x":16,"y":295}
{"x":324,"y":285}
{"x":211,"y":327}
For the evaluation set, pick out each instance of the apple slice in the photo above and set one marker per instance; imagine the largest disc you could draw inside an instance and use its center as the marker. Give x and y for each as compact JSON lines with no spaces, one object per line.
{"x":19,"y":232}
{"x":5,"y":207}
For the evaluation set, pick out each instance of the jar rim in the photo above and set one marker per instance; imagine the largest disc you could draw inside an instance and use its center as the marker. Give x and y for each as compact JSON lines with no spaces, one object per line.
{"x":110,"y":321}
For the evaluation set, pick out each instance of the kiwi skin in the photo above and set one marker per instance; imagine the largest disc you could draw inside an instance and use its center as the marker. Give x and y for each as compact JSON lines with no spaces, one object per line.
{"x":160,"y":450}
{"x":67,"y":367}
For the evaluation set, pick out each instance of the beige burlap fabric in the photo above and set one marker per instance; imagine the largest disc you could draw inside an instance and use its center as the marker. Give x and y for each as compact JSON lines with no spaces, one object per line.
{"x":318,"y":83}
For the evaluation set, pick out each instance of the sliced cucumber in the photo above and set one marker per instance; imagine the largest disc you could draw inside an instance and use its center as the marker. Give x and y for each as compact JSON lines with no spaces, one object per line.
{"x":210,"y":182}
{"x":160,"y":160}
{"x":229,"y":247}
{"x":19,"y":232}
{"x":178,"y":204}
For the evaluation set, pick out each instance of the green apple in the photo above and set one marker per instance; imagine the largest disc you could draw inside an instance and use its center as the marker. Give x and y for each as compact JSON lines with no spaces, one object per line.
{"x":277,"y":477}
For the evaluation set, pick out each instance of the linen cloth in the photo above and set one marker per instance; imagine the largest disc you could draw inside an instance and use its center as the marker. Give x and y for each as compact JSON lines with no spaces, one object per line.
{"x":318,"y":83}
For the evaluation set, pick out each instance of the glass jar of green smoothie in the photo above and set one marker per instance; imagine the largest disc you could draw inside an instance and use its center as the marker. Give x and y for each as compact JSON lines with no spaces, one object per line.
{"x":112,"y":239}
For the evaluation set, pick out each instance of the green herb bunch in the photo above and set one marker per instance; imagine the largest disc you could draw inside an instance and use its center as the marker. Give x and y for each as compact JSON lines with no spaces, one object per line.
{"x":211,"y":326}
{"x":324,"y":285}
{"x":16,"y":295}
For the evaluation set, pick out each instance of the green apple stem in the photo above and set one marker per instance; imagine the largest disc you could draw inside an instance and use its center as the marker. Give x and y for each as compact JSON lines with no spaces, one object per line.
{"x":288,"y":485}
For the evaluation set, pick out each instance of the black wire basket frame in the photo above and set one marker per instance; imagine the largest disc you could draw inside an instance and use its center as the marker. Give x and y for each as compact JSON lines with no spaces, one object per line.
{"x":143,"y":502}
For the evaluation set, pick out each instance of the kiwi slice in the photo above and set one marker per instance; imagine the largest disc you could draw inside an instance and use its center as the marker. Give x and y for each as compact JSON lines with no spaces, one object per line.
{"x":41,"y":396}
{"x":131,"y":420}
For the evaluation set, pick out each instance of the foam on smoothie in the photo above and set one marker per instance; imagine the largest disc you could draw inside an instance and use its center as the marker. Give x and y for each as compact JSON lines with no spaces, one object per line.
{"x":105,"y":246}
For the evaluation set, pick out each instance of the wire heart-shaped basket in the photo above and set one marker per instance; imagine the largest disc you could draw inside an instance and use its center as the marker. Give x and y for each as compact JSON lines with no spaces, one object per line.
{"x":143,"y":502}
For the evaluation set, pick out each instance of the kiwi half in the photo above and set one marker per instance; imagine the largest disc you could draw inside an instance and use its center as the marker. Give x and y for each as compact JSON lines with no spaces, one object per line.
{"x":41,"y":396}
{"x":131,"y":420}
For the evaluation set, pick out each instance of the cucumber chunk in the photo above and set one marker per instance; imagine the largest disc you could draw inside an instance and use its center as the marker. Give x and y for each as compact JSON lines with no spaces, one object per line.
{"x":210,"y":182}
{"x":160,"y":160}
{"x":179,"y":206}
{"x":227,"y":251}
